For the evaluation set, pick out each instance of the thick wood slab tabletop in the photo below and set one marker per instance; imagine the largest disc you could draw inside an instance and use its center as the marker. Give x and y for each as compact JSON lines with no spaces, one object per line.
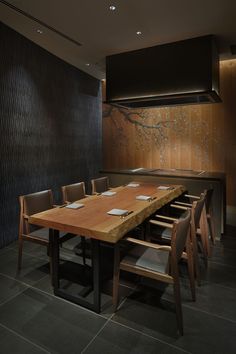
{"x":93,"y":221}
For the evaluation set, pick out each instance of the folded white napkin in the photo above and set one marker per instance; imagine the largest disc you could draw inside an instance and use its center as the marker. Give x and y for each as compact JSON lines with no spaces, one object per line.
{"x":133,"y":185}
{"x":118,"y":212}
{"x":143,"y":197}
{"x":108,"y":193}
{"x":74,"y":206}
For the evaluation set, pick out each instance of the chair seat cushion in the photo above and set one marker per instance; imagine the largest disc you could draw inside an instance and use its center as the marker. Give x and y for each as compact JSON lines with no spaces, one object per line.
{"x":43,"y":234}
{"x":148,"y":258}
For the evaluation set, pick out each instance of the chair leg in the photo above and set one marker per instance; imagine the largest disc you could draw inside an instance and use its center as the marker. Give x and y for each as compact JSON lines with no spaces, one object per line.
{"x":205,"y":233}
{"x":202,"y":245}
{"x":20,"y":253}
{"x":191,"y":271}
{"x":211,"y":228}
{"x":116,"y":276}
{"x":147,"y":231}
{"x":179,"y":314}
{"x":195,"y":255}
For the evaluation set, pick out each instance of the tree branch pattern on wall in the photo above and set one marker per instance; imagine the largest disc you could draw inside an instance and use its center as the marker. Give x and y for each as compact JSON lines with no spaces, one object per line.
{"x":155,"y":125}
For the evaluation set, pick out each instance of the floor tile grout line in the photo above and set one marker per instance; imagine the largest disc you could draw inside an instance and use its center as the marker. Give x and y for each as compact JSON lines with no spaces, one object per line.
{"x":9,"y":277}
{"x":102,"y":316}
{"x":92,"y":340}
{"x":11,"y":298}
{"x":224,"y":248}
{"x":25,"y":339}
{"x":28,"y":254}
{"x":209,"y":313}
{"x":127,"y":286}
{"x":21,"y":282}
{"x":150,"y":336}
{"x":222,"y":264}
{"x":58,"y":298}
{"x":32,"y":286}
{"x":46,"y":259}
{"x":207,"y":282}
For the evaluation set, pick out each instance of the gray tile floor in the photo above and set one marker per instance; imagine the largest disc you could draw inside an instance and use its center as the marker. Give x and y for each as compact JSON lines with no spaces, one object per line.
{"x":33,"y":320}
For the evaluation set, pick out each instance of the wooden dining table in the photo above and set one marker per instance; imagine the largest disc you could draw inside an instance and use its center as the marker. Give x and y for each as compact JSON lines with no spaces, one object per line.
{"x":93,"y":221}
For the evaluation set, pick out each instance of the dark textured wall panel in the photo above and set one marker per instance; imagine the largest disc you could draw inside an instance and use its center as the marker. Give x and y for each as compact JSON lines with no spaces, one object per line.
{"x":50,"y":121}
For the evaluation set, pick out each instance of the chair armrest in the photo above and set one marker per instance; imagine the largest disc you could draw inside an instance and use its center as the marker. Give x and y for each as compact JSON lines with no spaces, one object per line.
{"x":166,"y":217}
{"x":161,"y":223}
{"x":191,"y":196}
{"x":179,"y":207}
{"x":184,"y":204}
{"x":148,"y":244}
{"x":25,"y":216}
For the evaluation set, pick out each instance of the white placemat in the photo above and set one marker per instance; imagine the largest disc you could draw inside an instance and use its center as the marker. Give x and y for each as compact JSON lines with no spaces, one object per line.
{"x":118,"y":212}
{"x":108,"y":193}
{"x":74,"y":206}
{"x":143,"y":197}
{"x":133,"y":185}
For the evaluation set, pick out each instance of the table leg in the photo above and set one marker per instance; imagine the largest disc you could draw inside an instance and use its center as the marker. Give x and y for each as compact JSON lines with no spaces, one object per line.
{"x":96,"y":274}
{"x":54,"y":252}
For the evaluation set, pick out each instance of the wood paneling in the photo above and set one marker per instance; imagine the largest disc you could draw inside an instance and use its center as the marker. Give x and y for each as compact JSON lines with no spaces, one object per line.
{"x":200,"y":137}
{"x":50,"y":120}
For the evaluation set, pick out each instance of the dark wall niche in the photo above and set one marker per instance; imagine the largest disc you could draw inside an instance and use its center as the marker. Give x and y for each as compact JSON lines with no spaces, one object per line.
{"x":50,"y":123}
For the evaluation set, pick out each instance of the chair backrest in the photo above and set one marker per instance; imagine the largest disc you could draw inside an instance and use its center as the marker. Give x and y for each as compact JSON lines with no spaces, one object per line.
{"x":197,"y":207}
{"x":208,"y":200}
{"x":36,"y":202}
{"x":31,"y":204}
{"x":73,"y":192}
{"x":100,"y":185}
{"x":180,"y":233}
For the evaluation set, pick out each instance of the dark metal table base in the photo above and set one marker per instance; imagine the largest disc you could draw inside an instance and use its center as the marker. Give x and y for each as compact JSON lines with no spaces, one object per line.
{"x":96,"y":304}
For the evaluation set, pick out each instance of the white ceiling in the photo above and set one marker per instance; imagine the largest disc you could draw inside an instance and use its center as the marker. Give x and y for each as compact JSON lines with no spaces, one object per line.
{"x":102,"y":32}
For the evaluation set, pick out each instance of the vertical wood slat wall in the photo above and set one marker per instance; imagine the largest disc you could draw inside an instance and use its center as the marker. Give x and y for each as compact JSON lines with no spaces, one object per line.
{"x":50,"y":123}
{"x":203,"y":137}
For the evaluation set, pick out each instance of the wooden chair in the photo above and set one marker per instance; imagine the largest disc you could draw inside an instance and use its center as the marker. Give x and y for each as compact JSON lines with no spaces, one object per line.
{"x":159,"y":262}
{"x":203,"y":228}
{"x":100,"y":185}
{"x":198,"y":229}
{"x":70,"y":194}
{"x":31,"y":204}
{"x":73,"y":192}
{"x":209,"y":213}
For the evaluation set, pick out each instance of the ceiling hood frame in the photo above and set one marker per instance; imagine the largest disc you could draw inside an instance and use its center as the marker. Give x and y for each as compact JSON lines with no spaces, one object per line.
{"x":179,"y":73}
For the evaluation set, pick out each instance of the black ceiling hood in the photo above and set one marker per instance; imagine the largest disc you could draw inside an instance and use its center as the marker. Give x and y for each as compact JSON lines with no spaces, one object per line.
{"x":179,"y":73}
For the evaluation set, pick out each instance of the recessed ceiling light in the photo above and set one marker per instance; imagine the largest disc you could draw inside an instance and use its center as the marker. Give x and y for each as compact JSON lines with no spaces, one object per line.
{"x":39,"y":31}
{"x":138,"y":33}
{"x":112,"y":7}
{"x":87,"y":64}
